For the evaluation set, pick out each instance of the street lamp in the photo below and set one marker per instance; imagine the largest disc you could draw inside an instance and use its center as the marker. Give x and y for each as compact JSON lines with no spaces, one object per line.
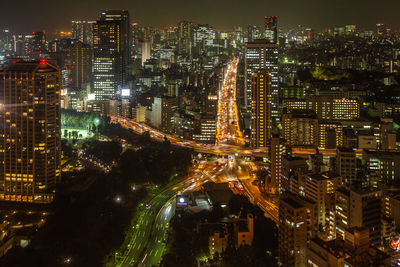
{"x":118,"y":199}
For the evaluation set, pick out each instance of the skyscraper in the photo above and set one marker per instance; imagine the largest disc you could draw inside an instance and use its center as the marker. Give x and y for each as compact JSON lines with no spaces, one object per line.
{"x":271,"y":29}
{"x":185,"y":36}
{"x":297,"y":225}
{"x":261,"y":97}
{"x":30,"y":132}
{"x":111,"y":46}
{"x":83,"y":31}
{"x":261,"y":54}
{"x":81,"y":59}
{"x":277,"y":149}
{"x":146,"y":51}
{"x":37,"y":45}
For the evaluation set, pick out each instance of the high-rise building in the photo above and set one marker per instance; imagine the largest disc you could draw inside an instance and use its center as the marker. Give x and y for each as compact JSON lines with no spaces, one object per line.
{"x":30,"y":131}
{"x":81,"y":60}
{"x":162,"y":112}
{"x":203,"y":36}
{"x":300,"y":128}
{"x":320,"y":188}
{"x":6,"y":41}
{"x":83,"y":31}
{"x":346,"y":164}
{"x":277,"y":149}
{"x":39,"y":41}
{"x":185,"y":37}
{"x":296,"y":226}
{"x":342,"y":211}
{"x":261,"y":54}
{"x":271,"y":29}
{"x":111,"y":51}
{"x":261,"y":97}
{"x":146,"y":51}
{"x":359,"y":207}
{"x":208,"y":129}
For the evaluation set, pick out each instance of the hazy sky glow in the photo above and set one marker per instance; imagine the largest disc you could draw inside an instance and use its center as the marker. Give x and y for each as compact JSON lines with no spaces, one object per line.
{"x":24,"y":15}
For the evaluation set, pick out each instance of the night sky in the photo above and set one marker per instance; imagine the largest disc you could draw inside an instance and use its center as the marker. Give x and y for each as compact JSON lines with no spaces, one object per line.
{"x":30,"y":15}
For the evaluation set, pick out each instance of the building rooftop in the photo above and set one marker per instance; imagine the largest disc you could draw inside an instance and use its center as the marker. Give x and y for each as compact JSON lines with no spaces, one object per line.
{"x":30,"y":66}
{"x":303,"y":113}
{"x":290,"y":201}
{"x":343,"y":191}
{"x":390,"y":153}
{"x":340,"y":249}
{"x":365,"y":190}
{"x":323,"y":175}
{"x":345,"y":149}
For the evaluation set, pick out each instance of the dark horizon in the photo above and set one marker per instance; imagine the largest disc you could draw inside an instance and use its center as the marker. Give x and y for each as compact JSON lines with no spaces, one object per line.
{"x":222,"y":14}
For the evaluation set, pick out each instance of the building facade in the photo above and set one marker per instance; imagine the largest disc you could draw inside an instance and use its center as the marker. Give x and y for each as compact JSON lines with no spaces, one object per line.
{"x":111,"y":51}
{"x":30,"y":128}
{"x":261,"y":54}
{"x":261,"y":122}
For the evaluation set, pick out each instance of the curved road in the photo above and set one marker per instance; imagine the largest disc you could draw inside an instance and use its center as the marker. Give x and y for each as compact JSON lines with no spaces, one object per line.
{"x":146,"y":246}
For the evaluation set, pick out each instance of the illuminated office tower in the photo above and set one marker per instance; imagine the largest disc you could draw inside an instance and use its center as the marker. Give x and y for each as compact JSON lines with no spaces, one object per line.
{"x":203,"y":36}
{"x":271,"y":29}
{"x":261,"y":54}
{"x":208,"y":129}
{"x":83,"y":31}
{"x":81,"y":59}
{"x":185,"y":36}
{"x":146,"y":51}
{"x":6,"y":41}
{"x":300,"y":128}
{"x":111,"y":44}
{"x":162,"y":109}
{"x":327,"y":107}
{"x":261,"y":108}
{"x":39,"y":41}
{"x":251,"y":29}
{"x":30,"y":132}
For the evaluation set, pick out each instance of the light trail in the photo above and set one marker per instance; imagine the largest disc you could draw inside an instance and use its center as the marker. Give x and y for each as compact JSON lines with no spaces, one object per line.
{"x":228,"y":130}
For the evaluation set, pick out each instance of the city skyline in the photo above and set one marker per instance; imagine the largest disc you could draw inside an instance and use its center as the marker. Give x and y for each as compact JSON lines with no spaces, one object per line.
{"x":224,"y":14}
{"x":200,"y":143}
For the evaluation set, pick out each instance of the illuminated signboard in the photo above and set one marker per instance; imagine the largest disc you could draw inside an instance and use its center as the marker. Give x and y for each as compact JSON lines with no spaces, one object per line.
{"x":182,"y":200}
{"x":90,"y":97}
{"x":125,"y":92}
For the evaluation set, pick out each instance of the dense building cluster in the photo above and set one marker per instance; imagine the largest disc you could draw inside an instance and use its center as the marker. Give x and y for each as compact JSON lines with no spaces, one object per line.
{"x":317,"y":110}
